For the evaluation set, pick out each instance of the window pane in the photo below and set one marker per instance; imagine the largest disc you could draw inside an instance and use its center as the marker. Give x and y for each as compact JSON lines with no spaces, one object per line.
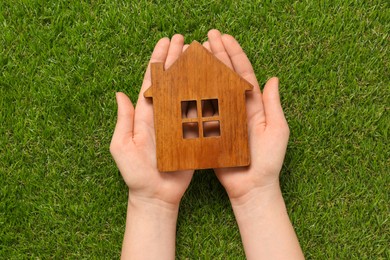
{"x":211,"y":128}
{"x":189,"y":109}
{"x":190,"y":130}
{"x":210,"y":107}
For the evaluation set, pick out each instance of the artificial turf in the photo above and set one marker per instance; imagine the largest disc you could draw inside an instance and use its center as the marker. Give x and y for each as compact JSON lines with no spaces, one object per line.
{"x":61,"y":62}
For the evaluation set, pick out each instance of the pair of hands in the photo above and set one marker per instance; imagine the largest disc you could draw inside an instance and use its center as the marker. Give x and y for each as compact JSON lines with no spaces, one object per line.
{"x":133,"y":145}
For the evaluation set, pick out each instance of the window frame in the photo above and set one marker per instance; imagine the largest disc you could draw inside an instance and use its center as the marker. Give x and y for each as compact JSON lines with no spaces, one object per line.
{"x":200,"y":119}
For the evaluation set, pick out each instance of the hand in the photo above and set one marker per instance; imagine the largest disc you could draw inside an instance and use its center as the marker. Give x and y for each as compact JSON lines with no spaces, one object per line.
{"x":254,"y":191}
{"x":133,"y":144}
{"x":267,"y":126}
{"x":154,"y":196}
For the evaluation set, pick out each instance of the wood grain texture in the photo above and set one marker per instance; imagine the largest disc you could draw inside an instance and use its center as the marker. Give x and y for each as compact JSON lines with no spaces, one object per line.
{"x":199,"y":77}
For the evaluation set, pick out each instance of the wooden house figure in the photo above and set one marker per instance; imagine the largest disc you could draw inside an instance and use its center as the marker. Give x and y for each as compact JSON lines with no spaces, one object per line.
{"x":198,"y":77}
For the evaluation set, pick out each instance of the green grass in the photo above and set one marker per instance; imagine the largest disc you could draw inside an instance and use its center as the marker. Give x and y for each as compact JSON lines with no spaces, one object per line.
{"x":60,"y":64}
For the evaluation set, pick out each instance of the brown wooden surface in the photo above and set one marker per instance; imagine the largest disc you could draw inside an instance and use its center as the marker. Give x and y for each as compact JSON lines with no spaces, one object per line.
{"x":197,"y":75}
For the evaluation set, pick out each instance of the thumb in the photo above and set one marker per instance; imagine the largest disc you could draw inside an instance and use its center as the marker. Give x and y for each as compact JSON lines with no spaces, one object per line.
{"x":125,"y":122}
{"x":272,"y":107}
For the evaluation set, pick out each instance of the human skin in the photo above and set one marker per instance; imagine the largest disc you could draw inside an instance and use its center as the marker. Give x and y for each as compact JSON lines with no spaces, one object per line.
{"x":154,"y":196}
{"x":254,"y":191}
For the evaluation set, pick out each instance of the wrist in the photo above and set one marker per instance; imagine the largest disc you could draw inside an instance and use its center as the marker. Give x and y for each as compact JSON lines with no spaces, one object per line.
{"x":259,"y":201}
{"x":262,"y":216}
{"x":140,"y":204}
{"x":150,"y":229}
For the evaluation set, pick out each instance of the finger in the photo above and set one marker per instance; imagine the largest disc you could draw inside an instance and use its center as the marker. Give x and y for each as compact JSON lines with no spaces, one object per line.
{"x":184,"y":108}
{"x":242,"y":65}
{"x":273,"y":109}
{"x":192,"y":110}
{"x":240,"y":61}
{"x":144,"y":109}
{"x":214,"y":103}
{"x":217,"y":47}
{"x":190,"y":130}
{"x":125,"y":122}
{"x":211,"y":128}
{"x":185,"y":47}
{"x":207,"y":108}
{"x":206,"y":44}
{"x":175,"y":49}
{"x":159,"y":55}
{"x":184,"y":105}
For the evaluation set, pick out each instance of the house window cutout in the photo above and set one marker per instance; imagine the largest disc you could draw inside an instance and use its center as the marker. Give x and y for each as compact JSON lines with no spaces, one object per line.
{"x":190,"y":130}
{"x":189,"y":109}
{"x":210,"y":107}
{"x":209,"y":119}
{"x":211,"y":128}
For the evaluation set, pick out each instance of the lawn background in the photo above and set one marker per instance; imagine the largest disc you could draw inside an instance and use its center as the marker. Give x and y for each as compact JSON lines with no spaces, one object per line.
{"x":61,"y":62}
